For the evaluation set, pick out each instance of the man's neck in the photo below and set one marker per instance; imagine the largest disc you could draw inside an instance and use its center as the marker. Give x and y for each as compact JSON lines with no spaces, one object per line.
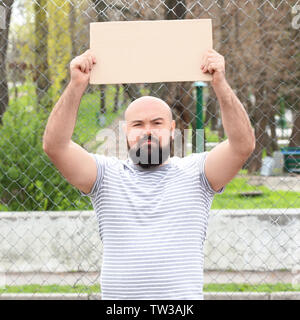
{"x":160,"y":165}
{"x":167,"y":161}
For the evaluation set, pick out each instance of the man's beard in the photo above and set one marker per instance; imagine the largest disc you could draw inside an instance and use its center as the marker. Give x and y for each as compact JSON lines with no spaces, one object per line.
{"x":149,"y":155}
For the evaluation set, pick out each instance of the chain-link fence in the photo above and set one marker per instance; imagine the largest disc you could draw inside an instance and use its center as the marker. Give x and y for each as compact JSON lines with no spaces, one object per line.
{"x":48,"y":236}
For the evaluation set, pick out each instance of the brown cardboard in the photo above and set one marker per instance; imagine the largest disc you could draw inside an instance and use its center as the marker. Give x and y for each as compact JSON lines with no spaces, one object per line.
{"x":149,"y":51}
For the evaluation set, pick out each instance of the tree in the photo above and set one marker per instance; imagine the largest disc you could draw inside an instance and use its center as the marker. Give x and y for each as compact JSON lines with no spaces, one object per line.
{"x":273,"y":73}
{"x":72,"y":26}
{"x":59,"y":45}
{"x":3,"y":51}
{"x":42,"y":75}
{"x":293,"y":82}
{"x":178,"y":95}
{"x":100,"y":7}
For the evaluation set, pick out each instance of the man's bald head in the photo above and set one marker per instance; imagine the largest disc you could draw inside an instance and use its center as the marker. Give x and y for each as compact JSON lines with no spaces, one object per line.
{"x":149,"y":129}
{"x":146,"y":103}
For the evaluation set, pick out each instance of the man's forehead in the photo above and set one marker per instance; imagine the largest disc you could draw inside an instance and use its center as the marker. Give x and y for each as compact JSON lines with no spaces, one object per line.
{"x":147,"y":106}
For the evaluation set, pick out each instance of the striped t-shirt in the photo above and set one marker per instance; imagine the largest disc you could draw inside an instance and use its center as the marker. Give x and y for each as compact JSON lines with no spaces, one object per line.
{"x":152,"y":225}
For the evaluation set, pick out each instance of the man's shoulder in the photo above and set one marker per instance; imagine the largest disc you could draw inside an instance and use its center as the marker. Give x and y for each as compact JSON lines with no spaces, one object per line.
{"x":106,"y":160}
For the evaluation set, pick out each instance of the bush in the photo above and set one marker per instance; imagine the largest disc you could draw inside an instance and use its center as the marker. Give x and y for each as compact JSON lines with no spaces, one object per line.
{"x":28,"y":180}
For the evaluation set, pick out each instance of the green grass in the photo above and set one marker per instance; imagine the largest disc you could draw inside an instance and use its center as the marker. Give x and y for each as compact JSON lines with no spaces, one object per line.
{"x":244,"y":287}
{"x":36,"y":288}
{"x":231,"y":199}
{"x":212,"y":287}
{"x":211,"y":136}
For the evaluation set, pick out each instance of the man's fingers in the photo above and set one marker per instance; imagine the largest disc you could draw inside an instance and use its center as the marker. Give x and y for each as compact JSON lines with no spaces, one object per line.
{"x":212,"y":67}
{"x":88,"y":54}
{"x":87,"y":67}
{"x":203,"y":60}
{"x":204,"y":63}
{"x":78,"y":63}
{"x":90,"y":60}
{"x":83,"y":66}
{"x":211,"y":63}
{"x":84,"y":62}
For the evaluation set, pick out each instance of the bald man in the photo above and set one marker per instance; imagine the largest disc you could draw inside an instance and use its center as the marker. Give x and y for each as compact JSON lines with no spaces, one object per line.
{"x":152,"y":209}
{"x":149,"y":131}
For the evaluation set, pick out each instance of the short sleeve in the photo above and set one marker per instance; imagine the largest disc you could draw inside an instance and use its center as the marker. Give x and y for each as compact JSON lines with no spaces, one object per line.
{"x":100,"y":163}
{"x":203,"y":179}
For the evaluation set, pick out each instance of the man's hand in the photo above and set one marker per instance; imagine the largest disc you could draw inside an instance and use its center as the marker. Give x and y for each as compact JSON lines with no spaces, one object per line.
{"x":214,"y":63}
{"x":80,"y":68}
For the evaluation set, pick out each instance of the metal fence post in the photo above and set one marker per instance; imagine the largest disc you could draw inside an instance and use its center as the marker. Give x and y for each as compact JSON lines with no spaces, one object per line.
{"x":200,"y":141}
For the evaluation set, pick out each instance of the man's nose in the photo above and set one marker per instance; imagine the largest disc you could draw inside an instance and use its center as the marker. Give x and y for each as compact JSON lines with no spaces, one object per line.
{"x":148,"y":130}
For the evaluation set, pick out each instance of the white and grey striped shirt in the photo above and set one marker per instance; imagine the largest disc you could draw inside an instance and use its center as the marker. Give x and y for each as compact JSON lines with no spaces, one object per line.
{"x":152,"y":224}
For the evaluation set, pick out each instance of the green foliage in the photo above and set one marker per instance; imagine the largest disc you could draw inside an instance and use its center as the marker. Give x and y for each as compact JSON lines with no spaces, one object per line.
{"x":28,"y":180}
{"x":211,"y":136}
{"x":22,"y":43}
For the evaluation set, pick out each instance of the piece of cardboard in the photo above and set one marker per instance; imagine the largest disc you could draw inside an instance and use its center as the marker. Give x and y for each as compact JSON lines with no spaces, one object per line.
{"x":149,"y":51}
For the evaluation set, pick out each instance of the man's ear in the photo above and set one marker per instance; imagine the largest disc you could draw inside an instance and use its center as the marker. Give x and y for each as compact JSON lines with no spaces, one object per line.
{"x":124,"y":127}
{"x":173,"y":125}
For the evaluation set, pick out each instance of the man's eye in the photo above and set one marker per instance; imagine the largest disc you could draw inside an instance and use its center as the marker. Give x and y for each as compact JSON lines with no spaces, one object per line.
{"x":157,"y":122}
{"x":137,"y":124}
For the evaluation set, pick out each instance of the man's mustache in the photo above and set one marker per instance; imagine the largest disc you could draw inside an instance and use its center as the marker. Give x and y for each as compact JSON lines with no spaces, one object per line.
{"x":146,"y":139}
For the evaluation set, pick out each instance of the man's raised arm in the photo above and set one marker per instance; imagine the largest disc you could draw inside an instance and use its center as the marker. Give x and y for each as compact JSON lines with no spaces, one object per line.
{"x":73,"y":162}
{"x":226,"y":159}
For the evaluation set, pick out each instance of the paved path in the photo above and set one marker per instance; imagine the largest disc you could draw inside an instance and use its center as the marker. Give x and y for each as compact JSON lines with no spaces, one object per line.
{"x":109,"y":148}
{"x":91,"y":278}
{"x":285,"y":183}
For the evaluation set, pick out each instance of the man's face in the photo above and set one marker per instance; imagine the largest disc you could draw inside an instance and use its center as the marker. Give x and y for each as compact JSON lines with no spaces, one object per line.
{"x":149,"y":132}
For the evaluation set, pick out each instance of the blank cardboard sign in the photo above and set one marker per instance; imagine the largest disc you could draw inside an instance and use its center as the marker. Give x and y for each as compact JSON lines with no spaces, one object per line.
{"x":149,"y":51}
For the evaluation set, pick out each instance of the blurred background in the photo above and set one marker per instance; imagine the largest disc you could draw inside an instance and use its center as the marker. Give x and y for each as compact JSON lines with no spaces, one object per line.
{"x":48,"y":233}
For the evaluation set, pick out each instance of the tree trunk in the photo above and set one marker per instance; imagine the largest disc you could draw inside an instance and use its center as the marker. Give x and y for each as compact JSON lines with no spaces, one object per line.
{"x":41,"y":76}
{"x":102,"y":98}
{"x":295,"y":135}
{"x":131,"y":91}
{"x":225,"y":36}
{"x":3,"y":45}
{"x":262,"y":109}
{"x":72,"y":18}
{"x":116,"y":100}
{"x":272,"y":124}
{"x":100,"y":7}
{"x":211,"y":111}
{"x":179,"y":95}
